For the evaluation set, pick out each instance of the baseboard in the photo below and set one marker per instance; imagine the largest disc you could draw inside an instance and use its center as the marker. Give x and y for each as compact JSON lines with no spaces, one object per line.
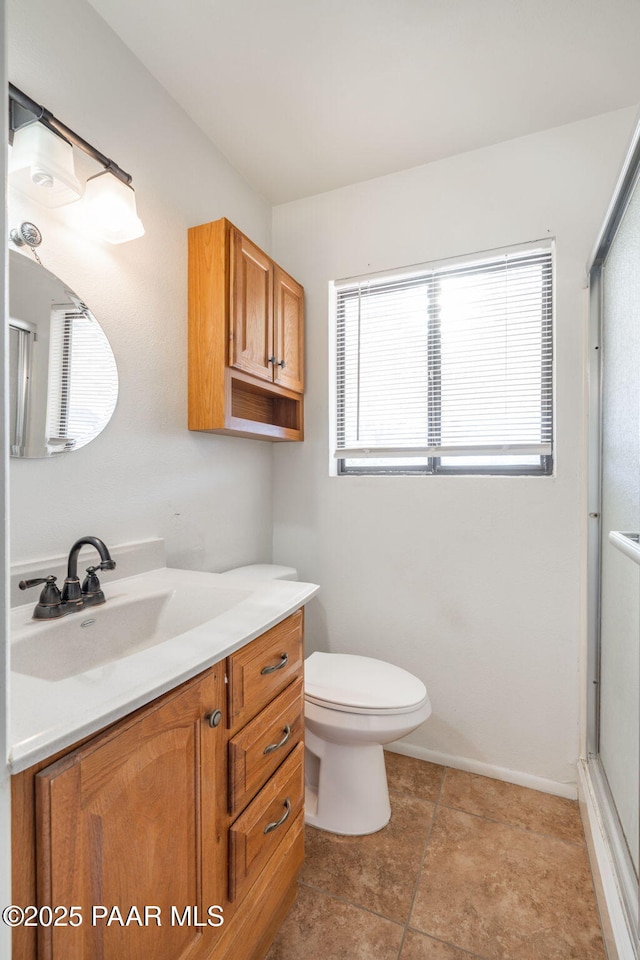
{"x":568,"y":790}
{"x":619,"y":939}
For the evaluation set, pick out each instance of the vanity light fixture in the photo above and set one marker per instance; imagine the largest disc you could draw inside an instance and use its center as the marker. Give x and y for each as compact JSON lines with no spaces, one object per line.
{"x":41,"y":165}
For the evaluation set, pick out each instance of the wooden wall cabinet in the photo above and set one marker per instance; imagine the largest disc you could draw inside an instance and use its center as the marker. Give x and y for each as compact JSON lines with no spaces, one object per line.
{"x":246,"y":338}
{"x":166,"y":811}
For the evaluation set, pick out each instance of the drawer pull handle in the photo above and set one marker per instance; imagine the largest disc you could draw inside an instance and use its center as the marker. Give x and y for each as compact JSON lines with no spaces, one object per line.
{"x":276,"y":746}
{"x":284,"y":659}
{"x":278,"y":823}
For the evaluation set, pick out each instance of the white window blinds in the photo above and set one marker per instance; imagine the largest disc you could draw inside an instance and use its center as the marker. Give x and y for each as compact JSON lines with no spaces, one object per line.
{"x":83,"y":379}
{"x":453,"y":364}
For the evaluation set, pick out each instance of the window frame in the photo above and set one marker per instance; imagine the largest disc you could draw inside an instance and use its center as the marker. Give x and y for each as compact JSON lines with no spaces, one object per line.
{"x":434,"y":466}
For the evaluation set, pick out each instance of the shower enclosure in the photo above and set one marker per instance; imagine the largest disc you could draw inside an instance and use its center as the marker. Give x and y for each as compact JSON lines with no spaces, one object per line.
{"x":614,"y":549}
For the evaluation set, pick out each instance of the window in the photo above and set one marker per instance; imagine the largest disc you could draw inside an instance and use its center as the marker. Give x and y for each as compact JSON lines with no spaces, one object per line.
{"x":447,"y":370}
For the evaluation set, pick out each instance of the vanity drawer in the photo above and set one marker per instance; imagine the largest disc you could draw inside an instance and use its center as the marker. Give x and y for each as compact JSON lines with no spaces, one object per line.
{"x":259,"y":671}
{"x":257,"y":832}
{"x":260,"y":747}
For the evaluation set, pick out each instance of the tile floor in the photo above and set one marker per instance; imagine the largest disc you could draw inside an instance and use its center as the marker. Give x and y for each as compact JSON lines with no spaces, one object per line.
{"x":467,"y":868}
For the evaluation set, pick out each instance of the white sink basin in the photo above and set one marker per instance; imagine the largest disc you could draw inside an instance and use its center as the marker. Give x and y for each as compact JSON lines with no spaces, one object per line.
{"x":138,"y":614}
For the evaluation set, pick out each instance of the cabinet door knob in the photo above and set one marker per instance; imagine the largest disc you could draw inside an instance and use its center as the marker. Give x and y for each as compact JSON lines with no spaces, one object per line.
{"x":214,"y":718}
{"x":276,"y":746}
{"x":278,"y":823}
{"x":273,"y":360}
{"x":282,"y":364}
{"x":284,"y":659}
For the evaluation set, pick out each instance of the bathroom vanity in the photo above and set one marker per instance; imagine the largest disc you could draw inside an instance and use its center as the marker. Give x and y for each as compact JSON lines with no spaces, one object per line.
{"x":185,"y":814}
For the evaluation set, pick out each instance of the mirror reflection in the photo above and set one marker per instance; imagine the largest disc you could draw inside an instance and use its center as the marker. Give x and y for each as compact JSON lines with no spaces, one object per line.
{"x":63,"y":376}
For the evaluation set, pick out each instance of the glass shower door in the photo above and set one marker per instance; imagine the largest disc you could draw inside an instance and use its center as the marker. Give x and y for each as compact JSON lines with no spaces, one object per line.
{"x":619,"y":673}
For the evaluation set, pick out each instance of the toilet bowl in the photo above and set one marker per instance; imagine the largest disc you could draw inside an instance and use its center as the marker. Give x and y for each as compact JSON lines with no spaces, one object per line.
{"x":353,"y":705}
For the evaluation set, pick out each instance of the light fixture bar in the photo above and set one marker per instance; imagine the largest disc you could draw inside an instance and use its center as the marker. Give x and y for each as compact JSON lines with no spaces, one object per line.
{"x":17,"y":119}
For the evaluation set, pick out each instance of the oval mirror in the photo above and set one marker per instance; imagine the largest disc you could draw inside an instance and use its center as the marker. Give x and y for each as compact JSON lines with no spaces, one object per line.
{"x":63,"y":377}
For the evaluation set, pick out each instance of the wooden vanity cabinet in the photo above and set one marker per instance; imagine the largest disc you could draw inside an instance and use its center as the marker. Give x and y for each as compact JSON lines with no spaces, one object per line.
{"x":168,"y":811}
{"x":246,"y":338}
{"x":114,"y":829}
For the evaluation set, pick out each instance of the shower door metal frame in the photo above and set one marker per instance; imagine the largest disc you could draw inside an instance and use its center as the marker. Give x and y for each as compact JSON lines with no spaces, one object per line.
{"x":627,"y":182}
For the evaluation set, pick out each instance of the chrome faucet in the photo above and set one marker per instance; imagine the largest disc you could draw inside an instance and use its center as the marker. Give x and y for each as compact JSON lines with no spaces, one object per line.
{"x":53,"y":603}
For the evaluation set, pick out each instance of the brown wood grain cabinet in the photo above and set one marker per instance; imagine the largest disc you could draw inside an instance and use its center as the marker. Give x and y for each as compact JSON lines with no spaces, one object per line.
{"x":289,"y":331}
{"x":246,"y":338}
{"x":251,"y":337}
{"x":166,"y":811}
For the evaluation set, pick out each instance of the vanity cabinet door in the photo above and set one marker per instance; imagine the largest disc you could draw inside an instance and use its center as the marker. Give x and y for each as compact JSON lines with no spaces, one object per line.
{"x":131,"y":819}
{"x":251,"y":333}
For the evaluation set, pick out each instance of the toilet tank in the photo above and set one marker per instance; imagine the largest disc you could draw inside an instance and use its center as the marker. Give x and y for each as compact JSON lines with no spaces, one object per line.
{"x":263,"y":571}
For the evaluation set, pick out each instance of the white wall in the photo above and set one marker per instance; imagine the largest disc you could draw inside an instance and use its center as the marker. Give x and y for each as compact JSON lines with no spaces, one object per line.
{"x":471,"y":583}
{"x":146,"y":475}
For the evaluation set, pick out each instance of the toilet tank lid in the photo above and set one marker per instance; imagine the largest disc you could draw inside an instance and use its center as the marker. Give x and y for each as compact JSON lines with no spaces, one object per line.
{"x":263,"y":571}
{"x":353,"y":681}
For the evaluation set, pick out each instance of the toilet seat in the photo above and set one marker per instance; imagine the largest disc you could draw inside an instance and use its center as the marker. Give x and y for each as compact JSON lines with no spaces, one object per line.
{"x":354,"y":684}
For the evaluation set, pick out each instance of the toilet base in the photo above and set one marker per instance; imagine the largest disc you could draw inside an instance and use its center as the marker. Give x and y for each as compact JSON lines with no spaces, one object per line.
{"x":350,"y":794}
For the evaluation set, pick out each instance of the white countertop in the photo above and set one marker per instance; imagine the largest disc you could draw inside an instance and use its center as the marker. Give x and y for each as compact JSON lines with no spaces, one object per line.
{"x":49,"y":714}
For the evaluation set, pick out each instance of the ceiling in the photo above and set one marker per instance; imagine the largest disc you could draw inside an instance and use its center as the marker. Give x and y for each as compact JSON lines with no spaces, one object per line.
{"x":303,"y":96}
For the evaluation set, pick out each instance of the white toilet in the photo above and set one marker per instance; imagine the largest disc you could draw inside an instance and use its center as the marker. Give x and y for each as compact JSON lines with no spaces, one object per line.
{"x":353,"y":705}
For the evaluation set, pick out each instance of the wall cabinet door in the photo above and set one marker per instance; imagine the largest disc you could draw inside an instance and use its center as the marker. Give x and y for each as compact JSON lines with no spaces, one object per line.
{"x":251,"y":321}
{"x":289,"y":331}
{"x":131,"y":819}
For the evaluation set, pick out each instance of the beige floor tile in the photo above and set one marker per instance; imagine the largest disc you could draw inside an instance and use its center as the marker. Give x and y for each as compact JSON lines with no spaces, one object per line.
{"x":509,"y":803}
{"x":378,"y":871}
{"x":418,"y":946}
{"x":320,"y":927}
{"x":418,"y":778}
{"x":506,"y":893}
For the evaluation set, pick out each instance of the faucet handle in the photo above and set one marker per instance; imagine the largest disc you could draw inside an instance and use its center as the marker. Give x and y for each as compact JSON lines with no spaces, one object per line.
{"x":26,"y":584}
{"x":50,"y":594}
{"x":91,"y":589}
{"x":49,"y":605}
{"x":91,"y":584}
